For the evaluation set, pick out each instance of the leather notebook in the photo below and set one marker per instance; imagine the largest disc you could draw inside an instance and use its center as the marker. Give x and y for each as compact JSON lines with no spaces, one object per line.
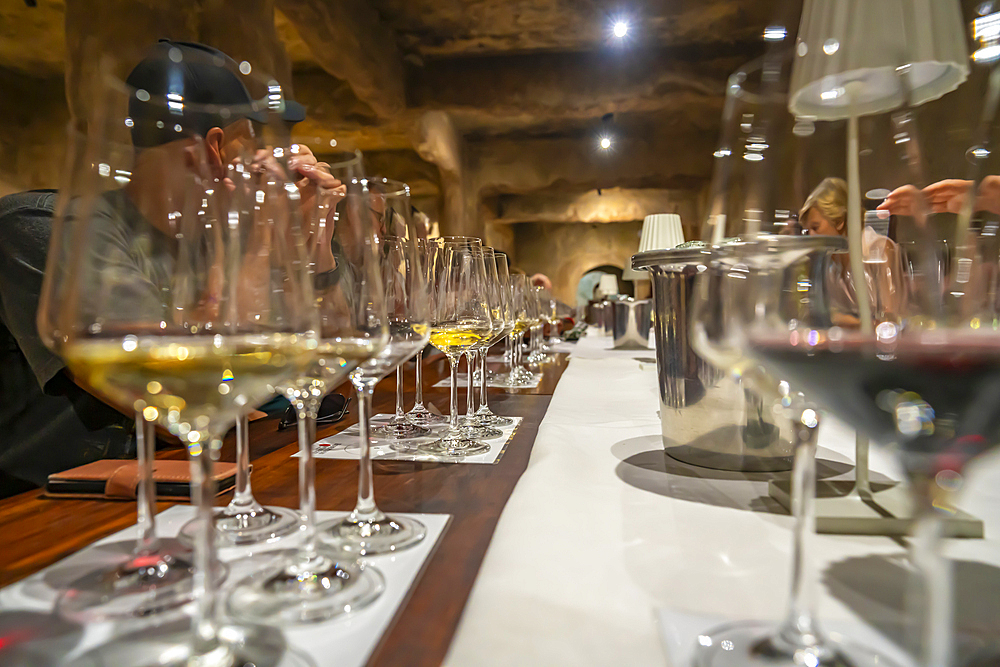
{"x":118,"y":479}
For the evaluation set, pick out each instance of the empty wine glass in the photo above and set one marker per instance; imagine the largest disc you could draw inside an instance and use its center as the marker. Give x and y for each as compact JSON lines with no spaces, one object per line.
{"x":460,"y":318}
{"x":498,"y":277}
{"x":174,"y":296}
{"x":392,"y":199}
{"x":367,"y":530}
{"x":419,"y":415}
{"x":316,"y":582}
{"x":473,"y":426}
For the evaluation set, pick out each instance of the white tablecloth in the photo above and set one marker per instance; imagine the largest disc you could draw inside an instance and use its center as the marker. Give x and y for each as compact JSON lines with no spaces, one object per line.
{"x":602,"y":533}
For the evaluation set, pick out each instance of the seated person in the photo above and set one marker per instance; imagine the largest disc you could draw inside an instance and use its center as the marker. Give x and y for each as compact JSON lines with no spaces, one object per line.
{"x":50,"y":423}
{"x":825,"y":213}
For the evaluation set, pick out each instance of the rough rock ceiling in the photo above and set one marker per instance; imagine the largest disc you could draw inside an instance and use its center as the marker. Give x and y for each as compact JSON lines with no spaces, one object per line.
{"x":447,"y":28}
{"x":31,"y":38}
{"x":521,"y":80}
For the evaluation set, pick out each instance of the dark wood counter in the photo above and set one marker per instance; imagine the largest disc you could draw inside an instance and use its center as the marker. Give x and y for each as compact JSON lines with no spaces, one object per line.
{"x":40,"y":531}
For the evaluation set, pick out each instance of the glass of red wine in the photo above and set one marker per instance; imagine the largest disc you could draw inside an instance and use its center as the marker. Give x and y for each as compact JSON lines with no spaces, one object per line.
{"x":896,"y":336}
{"x":759,"y":264}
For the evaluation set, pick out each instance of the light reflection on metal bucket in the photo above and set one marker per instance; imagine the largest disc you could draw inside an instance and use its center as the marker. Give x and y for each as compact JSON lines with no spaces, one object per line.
{"x":630,"y":324}
{"x":708,"y":417}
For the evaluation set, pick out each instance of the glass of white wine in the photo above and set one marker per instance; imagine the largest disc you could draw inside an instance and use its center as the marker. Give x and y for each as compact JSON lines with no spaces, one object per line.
{"x":179,"y":290}
{"x":522,"y":303}
{"x":460,"y":318}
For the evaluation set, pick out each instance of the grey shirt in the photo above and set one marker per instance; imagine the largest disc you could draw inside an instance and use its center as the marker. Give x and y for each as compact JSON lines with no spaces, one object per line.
{"x":47,"y":423}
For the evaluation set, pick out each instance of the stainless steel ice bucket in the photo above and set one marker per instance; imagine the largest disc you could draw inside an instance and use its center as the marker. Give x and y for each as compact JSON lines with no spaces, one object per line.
{"x":631,"y":321}
{"x":708,"y":418}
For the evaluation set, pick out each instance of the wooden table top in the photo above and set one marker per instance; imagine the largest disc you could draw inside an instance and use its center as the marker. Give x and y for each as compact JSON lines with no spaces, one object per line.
{"x":41,"y":531}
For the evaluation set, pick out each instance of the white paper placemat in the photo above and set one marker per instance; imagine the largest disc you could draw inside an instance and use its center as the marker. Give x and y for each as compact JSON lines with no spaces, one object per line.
{"x":347,"y":641}
{"x":344,"y":445}
{"x":463,"y":382}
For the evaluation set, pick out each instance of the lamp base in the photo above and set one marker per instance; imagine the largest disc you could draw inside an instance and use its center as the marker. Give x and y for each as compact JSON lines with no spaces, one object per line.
{"x":840,"y":510}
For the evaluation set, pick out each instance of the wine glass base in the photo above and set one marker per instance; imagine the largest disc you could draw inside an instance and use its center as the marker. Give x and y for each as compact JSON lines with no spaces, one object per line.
{"x":171,"y":646}
{"x":421,"y":416}
{"x":490,"y":419}
{"x":137,"y":586}
{"x":400,"y":431}
{"x":264,"y":526}
{"x":387,"y":534}
{"x":758,"y":644}
{"x":456,"y":446}
{"x":477,"y":432}
{"x":306,"y":591}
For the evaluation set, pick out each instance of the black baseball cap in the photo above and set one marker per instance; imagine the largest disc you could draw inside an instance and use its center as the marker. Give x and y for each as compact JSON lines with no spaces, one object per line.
{"x":185,"y":88}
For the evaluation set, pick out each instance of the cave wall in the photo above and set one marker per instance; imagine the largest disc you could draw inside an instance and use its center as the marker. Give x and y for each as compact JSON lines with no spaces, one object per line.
{"x":565,"y":251}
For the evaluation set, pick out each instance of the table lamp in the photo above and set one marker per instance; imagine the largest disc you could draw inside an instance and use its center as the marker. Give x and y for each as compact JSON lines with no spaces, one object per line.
{"x":660,"y":231}
{"x":608,"y":285}
{"x":855,"y":58}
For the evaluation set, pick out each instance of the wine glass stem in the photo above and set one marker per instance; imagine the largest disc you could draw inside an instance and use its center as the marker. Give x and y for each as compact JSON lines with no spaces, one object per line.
{"x":934,"y":606}
{"x":510,"y":354}
{"x":307,"y":474}
{"x":145,"y":440}
{"x":400,"y":414}
{"x":453,"y":418}
{"x":800,"y":627}
{"x":482,"y":385}
{"x":470,"y":392}
{"x":243,"y":495}
{"x":203,"y":494}
{"x":418,"y":399}
{"x":366,"y":490}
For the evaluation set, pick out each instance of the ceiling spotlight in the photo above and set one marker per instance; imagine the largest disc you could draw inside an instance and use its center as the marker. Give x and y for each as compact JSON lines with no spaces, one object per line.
{"x":620,"y":29}
{"x":775,"y":33}
{"x":605,"y":143}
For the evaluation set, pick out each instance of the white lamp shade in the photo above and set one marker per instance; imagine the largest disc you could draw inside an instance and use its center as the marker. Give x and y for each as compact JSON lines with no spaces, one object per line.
{"x":848,"y":52}
{"x":608,"y":285}
{"x":660,"y":231}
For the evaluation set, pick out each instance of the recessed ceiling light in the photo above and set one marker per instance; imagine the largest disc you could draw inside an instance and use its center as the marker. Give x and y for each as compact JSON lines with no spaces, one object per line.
{"x":620,"y":29}
{"x":605,"y":143}
{"x":774,"y":33}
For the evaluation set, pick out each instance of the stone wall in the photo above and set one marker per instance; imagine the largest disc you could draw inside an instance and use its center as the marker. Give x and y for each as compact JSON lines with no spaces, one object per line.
{"x":33,"y":120}
{"x":565,"y":251}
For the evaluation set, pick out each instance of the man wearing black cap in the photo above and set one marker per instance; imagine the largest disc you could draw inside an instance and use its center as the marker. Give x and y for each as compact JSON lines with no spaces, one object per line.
{"x":48,"y":422}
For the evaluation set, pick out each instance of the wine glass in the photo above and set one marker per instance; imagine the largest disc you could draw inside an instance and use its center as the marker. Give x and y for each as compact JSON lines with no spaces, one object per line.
{"x":392,"y":200}
{"x":368,"y":531}
{"x":460,"y":318}
{"x":315,"y":582}
{"x":521,"y":303}
{"x":762,"y":267}
{"x":471,"y":424}
{"x":540,"y":309}
{"x":245,"y":521}
{"x":171,"y":294}
{"x":419,"y":415}
{"x":498,"y":277}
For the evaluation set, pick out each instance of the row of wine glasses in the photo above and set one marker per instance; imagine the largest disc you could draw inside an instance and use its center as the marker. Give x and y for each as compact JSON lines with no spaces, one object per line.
{"x":192,"y":274}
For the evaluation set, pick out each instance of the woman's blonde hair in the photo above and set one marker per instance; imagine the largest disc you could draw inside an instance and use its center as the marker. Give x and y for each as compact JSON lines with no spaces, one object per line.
{"x":830,"y":198}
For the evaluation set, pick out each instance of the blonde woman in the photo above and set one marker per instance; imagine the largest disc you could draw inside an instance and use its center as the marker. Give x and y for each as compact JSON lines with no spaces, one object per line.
{"x":825,"y":214}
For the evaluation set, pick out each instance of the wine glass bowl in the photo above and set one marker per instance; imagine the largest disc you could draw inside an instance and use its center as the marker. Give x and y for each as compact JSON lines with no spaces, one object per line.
{"x":180,"y":291}
{"x":460,"y":318}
